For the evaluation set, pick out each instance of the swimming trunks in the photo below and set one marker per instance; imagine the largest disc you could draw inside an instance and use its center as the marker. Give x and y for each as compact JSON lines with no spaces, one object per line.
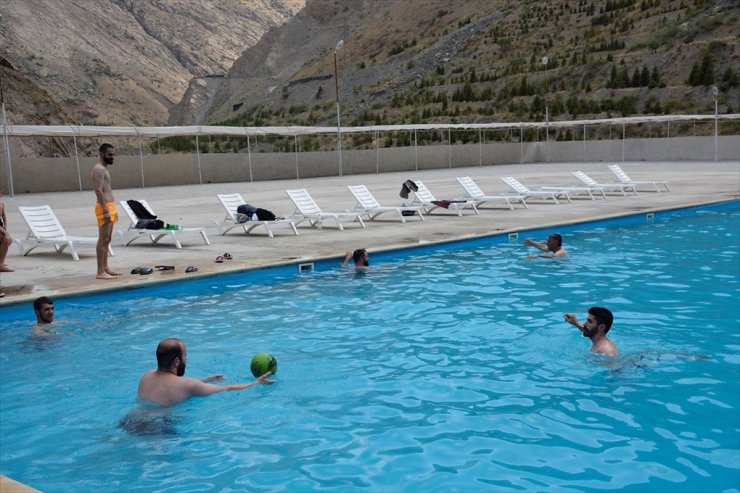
{"x":111,"y":210}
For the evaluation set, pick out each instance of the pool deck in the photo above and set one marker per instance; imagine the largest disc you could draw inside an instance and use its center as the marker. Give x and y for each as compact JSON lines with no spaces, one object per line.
{"x":45,"y":272}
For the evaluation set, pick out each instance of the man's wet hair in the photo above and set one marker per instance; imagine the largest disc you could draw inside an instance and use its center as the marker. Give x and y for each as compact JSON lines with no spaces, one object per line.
{"x":602,"y":316}
{"x":43,"y":300}
{"x":359,"y":255}
{"x":105,"y":147}
{"x":558,"y":238}
{"x":167,"y":351}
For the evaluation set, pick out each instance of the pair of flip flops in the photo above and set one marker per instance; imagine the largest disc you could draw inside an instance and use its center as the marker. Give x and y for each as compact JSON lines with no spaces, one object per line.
{"x":144,"y":271}
{"x":221,"y":258}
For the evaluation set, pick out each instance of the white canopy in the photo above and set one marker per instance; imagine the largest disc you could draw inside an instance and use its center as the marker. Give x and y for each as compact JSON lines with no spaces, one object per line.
{"x":158,"y":132}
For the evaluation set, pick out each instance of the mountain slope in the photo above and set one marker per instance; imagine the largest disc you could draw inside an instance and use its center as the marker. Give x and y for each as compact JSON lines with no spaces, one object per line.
{"x":427,"y":61}
{"x":123,"y":61}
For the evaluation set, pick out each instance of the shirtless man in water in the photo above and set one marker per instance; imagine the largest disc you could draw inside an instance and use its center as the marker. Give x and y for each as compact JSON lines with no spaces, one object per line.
{"x":597,"y":325}
{"x":554,"y":246}
{"x":105,"y":210}
{"x":43,"y":307}
{"x":360,"y":257}
{"x":167,"y":385}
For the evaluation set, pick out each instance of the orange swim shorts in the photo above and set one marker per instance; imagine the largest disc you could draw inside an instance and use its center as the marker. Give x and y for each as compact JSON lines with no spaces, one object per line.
{"x":111,"y":210}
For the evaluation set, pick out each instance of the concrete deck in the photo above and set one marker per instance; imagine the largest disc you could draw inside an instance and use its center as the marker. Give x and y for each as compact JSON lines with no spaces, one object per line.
{"x":45,"y":272}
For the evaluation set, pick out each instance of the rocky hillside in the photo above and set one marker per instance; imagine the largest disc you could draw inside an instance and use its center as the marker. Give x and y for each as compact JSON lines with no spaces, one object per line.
{"x":271,"y":62}
{"x":120,"y":62}
{"x":439,"y":61}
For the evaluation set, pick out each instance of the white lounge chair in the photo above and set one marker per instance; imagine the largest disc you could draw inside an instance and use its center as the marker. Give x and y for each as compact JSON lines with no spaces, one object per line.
{"x":231,"y":203}
{"x":622,"y":177}
{"x":131,"y":234}
{"x":308,"y":210}
{"x":45,"y":229}
{"x":542,"y":192}
{"x":475,"y":193}
{"x":603,"y":187}
{"x":424,"y":197}
{"x":368,"y":204}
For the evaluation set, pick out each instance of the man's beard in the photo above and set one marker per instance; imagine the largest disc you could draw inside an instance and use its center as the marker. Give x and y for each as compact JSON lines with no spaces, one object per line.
{"x":108,"y":160}
{"x":181,"y":369}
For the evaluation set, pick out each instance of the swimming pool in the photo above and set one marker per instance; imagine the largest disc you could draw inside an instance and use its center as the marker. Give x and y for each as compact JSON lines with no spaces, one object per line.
{"x":445,"y":368}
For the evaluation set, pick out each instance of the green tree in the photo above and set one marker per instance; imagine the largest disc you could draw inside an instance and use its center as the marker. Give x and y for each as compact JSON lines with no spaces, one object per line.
{"x":645,"y":76}
{"x":707,"y":70}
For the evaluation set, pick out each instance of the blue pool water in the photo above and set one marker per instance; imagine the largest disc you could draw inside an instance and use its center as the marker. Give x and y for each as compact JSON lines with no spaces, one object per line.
{"x":442,"y":369}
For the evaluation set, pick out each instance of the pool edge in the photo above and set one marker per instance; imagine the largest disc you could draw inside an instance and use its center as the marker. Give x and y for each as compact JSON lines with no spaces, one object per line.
{"x":73,"y":293}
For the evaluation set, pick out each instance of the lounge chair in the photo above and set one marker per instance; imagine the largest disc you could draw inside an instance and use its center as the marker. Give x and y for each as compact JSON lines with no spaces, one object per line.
{"x":424,"y":198}
{"x":308,"y":210}
{"x":622,"y":177}
{"x":231,"y":203}
{"x":367,"y":204}
{"x":542,"y":192}
{"x":603,"y":187}
{"x":45,"y":229}
{"x":475,"y":193}
{"x":131,"y":234}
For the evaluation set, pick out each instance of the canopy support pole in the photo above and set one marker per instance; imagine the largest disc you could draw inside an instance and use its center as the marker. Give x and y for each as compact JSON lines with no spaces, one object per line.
{"x":77,"y":160}
{"x":249,"y":158}
{"x":197,"y":156}
{"x":141,"y":163}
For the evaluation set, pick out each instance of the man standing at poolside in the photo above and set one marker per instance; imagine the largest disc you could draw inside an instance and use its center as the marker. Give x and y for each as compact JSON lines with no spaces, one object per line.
{"x":598,"y":323}
{"x":43,"y":307}
{"x":167,"y":385}
{"x":105,"y":210}
{"x":554,"y":245}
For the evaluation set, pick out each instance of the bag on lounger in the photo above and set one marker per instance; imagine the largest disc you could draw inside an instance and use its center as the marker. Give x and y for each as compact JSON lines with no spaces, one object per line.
{"x":246,"y":212}
{"x":146,"y":220}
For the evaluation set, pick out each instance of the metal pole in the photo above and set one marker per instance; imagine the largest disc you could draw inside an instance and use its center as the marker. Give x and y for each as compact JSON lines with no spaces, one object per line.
{"x":77,"y":160}
{"x":521,"y":144}
{"x":547,"y":115}
{"x":624,"y":136}
{"x":249,"y":158}
{"x":480,"y":147}
{"x":6,"y":144}
{"x":449,"y":145}
{"x":295,"y":139}
{"x":197,"y":156}
{"x":667,"y":142}
{"x":584,"y":142}
{"x":377,"y":152}
{"x":339,"y":46}
{"x":715,"y":92}
{"x":141,"y":163}
{"x":416,"y":151}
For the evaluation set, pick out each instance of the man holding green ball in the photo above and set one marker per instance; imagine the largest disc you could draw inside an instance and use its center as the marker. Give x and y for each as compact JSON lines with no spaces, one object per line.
{"x":167,"y":385}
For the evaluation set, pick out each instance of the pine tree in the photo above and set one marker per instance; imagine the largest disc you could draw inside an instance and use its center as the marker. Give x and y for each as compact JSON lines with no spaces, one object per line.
{"x":612,"y":83}
{"x":707,"y":71}
{"x":694,"y":76}
{"x":645,"y":76}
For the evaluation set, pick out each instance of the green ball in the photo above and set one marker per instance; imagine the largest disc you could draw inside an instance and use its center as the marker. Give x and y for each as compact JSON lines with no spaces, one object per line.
{"x":262,"y":363}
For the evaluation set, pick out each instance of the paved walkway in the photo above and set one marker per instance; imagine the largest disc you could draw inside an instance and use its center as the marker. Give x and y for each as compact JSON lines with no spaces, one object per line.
{"x":44,"y":272}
